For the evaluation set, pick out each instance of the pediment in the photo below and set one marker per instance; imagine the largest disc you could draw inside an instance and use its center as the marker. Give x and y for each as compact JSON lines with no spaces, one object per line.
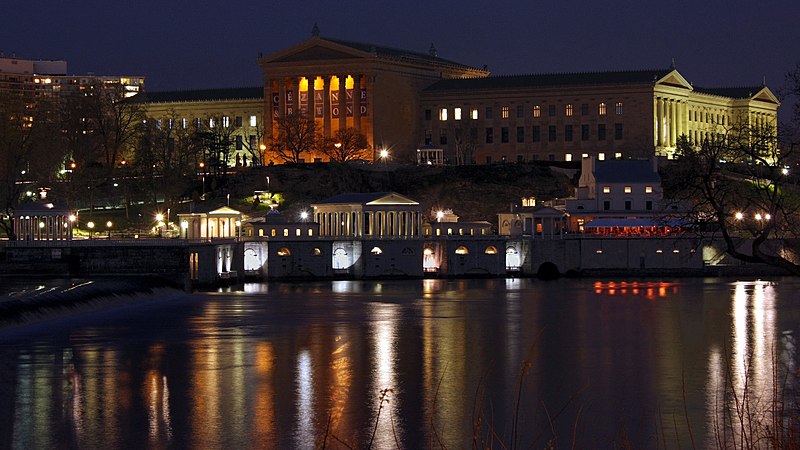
{"x":315,"y":49}
{"x":393,"y":199}
{"x":674,"y":79}
{"x":766,"y":95}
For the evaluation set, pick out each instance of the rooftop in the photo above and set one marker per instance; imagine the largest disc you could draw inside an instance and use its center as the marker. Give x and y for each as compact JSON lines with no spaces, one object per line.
{"x":625,"y":170}
{"x":200,"y":95}
{"x":552,"y":79}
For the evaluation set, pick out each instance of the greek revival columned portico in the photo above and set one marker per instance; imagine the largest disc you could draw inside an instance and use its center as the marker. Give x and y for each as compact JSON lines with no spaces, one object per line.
{"x":380,"y":215}
{"x":372,"y":89}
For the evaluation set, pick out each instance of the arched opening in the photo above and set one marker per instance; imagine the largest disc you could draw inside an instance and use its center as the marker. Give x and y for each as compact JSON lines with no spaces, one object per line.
{"x":376,"y":251}
{"x":340,"y":259}
{"x":316,"y":251}
{"x":548,"y":271}
{"x":251,"y":260}
{"x":283,"y":251}
{"x":512,"y":258}
{"x":490,"y":250}
{"x":461,"y":250}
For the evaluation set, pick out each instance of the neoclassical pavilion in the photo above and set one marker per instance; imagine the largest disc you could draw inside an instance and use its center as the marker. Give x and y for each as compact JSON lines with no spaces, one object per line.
{"x":205,"y":222}
{"x":42,"y":221}
{"x":378,"y":215}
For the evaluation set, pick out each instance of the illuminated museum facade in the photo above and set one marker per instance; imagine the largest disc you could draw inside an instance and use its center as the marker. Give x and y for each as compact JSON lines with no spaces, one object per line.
{"x":402,"y":101}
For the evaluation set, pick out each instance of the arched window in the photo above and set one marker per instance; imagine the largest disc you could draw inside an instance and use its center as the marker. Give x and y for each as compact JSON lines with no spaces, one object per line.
{"x":283,"y":251}
{"x":376,"y":251}
{"x":408,"y":251}
{"x":427,"y":252}
{"x":316,"y":251}
{"x":490,"y":250}
{"x":461,"y":250}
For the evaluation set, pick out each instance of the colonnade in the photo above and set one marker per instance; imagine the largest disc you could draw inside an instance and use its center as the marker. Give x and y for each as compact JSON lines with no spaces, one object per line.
{"x":43,"y":228}
{"x":378,"y":224}
{"x":671,"y":116}
{"x":338,"y":100}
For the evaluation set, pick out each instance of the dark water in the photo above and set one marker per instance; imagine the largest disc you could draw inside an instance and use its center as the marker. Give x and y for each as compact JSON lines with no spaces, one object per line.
{"x":411,"y":364}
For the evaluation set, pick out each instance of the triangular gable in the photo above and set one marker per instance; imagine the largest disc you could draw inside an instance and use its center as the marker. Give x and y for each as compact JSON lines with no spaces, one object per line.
{"x":392,"y":198}
{"x":766,"y":95}
{"x":674,"y":79}
{"x":225,"y":210}
{"x":315,"y":49}
{"x":546,"y":211}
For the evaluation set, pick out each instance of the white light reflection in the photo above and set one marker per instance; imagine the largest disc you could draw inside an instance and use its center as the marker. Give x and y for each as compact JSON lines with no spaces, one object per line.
{"x":304,"y":432}
{"x":384,"y":335}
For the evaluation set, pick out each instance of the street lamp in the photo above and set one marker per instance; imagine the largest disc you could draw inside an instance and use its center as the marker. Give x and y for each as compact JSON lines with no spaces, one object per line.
{"x":108,"y":226}
{"x":384,"y":154}
{"x":90,"y":225}
{"x":160,"y":224}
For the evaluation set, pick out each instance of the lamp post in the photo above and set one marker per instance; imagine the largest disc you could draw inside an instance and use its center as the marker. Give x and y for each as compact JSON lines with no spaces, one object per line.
{"x":160,"y":224}
{"x":108,"y":227}
{"x":90,"y":225}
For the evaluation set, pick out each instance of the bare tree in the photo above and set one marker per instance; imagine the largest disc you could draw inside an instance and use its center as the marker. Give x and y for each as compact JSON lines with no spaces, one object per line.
{"x":345,"y":145}
{"x":296,"y":135}
{"x":465,"y":140}
{"x":29,"y":149}
{"x":740,"y":186}
{"x":254,"y":144}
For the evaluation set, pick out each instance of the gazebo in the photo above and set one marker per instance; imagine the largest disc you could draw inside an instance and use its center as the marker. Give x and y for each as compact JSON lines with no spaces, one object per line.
{"x":42,"y":221}
{"x":206,"y":222}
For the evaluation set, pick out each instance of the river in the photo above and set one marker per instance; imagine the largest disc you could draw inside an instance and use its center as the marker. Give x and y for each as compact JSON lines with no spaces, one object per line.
{"x":578,"y":363}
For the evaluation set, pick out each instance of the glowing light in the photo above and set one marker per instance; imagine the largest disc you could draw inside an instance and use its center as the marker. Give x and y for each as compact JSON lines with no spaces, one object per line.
{"x":109,"y":224}
{"x":90,"y":225}
{"x":72,"y":218}
{"x":159,"y":217}
{"x":304,"y":215}
{"x":758,"y":216}
{"x":739,"y":216}
{"x":384,"y":153}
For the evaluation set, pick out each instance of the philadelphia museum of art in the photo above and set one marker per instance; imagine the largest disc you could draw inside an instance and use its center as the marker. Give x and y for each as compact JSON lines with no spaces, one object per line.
{"x":404,"y":101}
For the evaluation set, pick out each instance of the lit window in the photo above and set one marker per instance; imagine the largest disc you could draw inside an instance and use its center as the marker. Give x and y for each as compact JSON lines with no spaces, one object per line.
{"x":253,"y":121}
{"x":504,"y":112}
{"x":184,"y":123}
{"x":648,"y":189}
{"x":376,"y":251}
{"x":286,"y":232}
{"x":283,"y":251}
{"x":272,"y":232}
{"x":601,"y":156}
{"x":601,"y":109}
{"x":618,"y":155}
{"x":627,"y":189}
{"x":568,"y":110}
{"x":449,"y":231}
{"x":211,"y":123}
{"x":310,"y":232}
{"x":457,"y":113}
{"x":568,"y":157}
{"x":317,"y":251}
{"x":226,"y":121}
{"x":490,"y":250}
{"x":606,"y":189}
{"x":297,"y":232}
{"x":261,"y":232}
{"x":474,"y":114}
{"x":618,"y":108}
{"x":537,"y":111}
{"x":584,"y":155}
{"x":461,"y":250}
{"x":443,"y":114}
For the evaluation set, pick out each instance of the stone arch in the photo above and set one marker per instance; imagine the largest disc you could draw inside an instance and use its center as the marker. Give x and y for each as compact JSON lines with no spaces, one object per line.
{"x":548,"y":271}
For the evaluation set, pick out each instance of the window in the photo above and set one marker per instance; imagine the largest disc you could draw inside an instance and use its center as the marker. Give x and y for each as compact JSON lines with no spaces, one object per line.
{"x":648,"y":189}
{"x":601,"y":132}
{"x":316,"y":251}
{"x":648,"y":205}
{"x":606,"y":205}
{"x":489,"y":113}
{"x":618,"y":155}
{"x":617,"y":131}
{"x":283,"y":251}
{"x":489,"y":135}
{"x":504,"y":135}
{"x":286,"y":232}
{"x":568,"y":133}
{"x":601,"y":156}
{"x":197,"y":122}
{"x":568,"y":157}
{"x":376,"y":251}
{"x":520,"y":111}
{"x":226,"y":121}
{"x":457,"y":113}
{"x":310,"y":232}
{"x":239,"y":142}
{"x":488,"y":160}
{"x":584,"y":132}
{"x":211,"y":123}
{"x":504,"y":112}
{"x":606,"y":189}
{"x":551,"y":157}
{"x":627,"y":205}
{"x":273,"y":233}
{"x":601,"y":109}
{"x":474,"y":114}
{"x":253,"y":121}
{"x":628,"y":189}
{"x":184,"y":123}
{"x":443,"y":136}
{"x":297,"y":232}
{"x":537,"y":111}
{"x":568,"y":110}
{"x":551,"y":133}
{"x":238,"y":121}
{"x":584,"y":109}
{"x":618,"y":108}
{"x":428,"y":137}
{"x":520,"y":159}
{"x":443,"y":114}
{"x":427,"y":114}
{"x":490,"y":250}
{"x":520,"y":135}
{"x":461,"y":250}
{"x":551,"y":110}
{"x":537,"y":133}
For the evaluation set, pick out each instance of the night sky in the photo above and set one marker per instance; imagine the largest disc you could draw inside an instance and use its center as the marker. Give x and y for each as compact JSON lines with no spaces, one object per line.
{"x":183,"y":44}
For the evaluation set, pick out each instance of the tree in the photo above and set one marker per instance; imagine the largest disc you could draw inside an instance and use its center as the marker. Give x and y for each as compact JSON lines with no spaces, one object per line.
{"x":296,"y":135}
{"x":345,"y":145}
{"x":254,"y":144}
{"x":738,"y":182}
{"x":465,"y":139}
{"x":29,"y":150}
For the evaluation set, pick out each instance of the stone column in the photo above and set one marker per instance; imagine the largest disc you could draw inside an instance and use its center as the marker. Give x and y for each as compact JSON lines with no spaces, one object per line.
{"x":660,"y":121}
{"x":357,"y":102}
{"x":342,"y":102}
{"x":281,"y":98}
{"x":326,"y":108}
{"x":673,"y":120}
{"x":655,"y":122}
{"x":310,"y":93}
